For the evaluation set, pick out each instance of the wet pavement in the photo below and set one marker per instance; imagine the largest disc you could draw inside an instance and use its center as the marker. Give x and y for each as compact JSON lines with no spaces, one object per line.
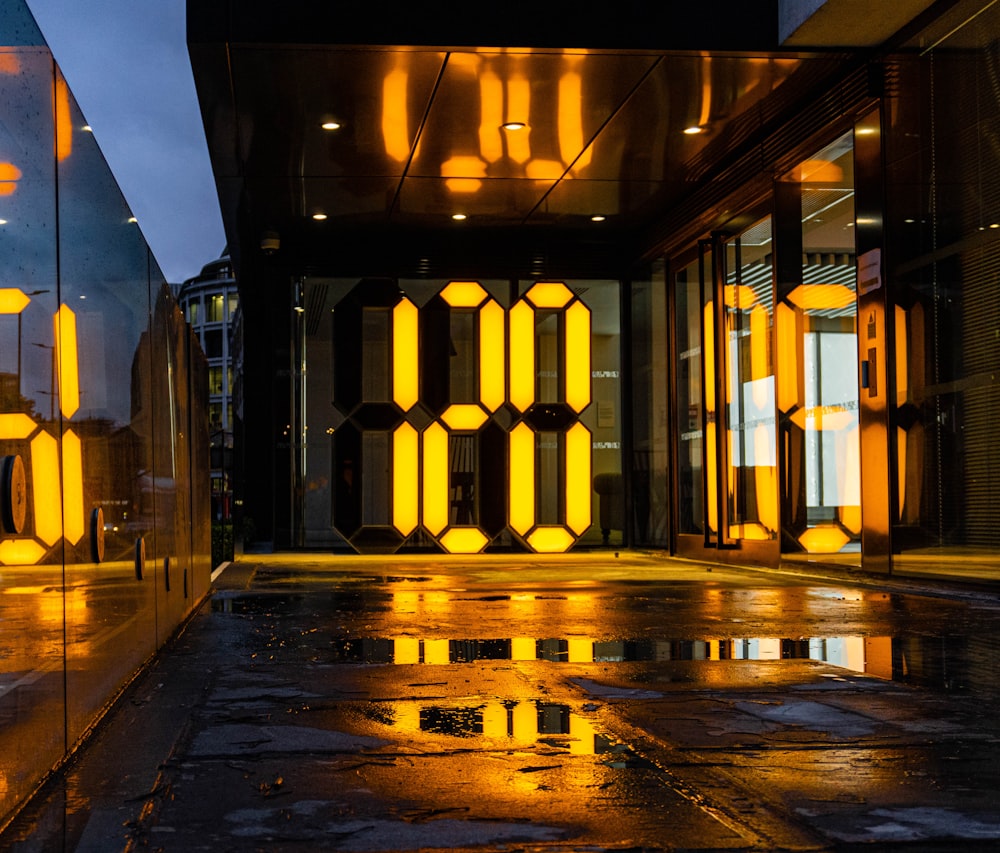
{"x":578,"y":703}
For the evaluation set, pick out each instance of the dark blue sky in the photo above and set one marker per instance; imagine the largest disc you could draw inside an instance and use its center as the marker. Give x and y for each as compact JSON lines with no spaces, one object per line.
{"x":126,"y":62}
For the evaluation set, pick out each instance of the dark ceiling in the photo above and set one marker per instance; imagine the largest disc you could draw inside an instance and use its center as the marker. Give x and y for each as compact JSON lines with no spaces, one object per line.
{"x":420,"y":135}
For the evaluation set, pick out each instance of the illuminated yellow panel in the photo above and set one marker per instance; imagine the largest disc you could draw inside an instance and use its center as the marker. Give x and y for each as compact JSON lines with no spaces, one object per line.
{"x":519,"y":109}
{"x":580,"y":650}
{"x":822,"y":297}
{"x":13,"y":300}
{"x":523,"y":648}
{"x":463,"y":174}
{"x":395,"y":133}
{"x":787,"y":358}
{"x":522,"y":478}
{"x":435,"y":478}
{"x":752,"y":530}
{"x":850,"y":517}
{"x":852,"y":466}
{"x":823,"y":540}
{"x":491,"y":356}
{"x":405,"y":650}
{"x":759,"y":362}
{"x":72,"y":466}
{"x":437,"y":651}
{"x":901,"y":439}
{"x":766,"y":482}
{"x":578,"y":357}
{"x":464,"y":540}
{"x":740,"y":296}
{"x":45,"y":486}
{"x":831,"y":418}
{"x":464,"y":416}
{"x":68,"y":368}
{"x":571,"y":140}
{"x":708,"y":357}
{"x":522,"y":355}
{"x":64,"y":121}
{"x":405,"y":362}
{"x":463,"y":294}
{"x":551,"y":540}
{"x":20,"y":552}
{"x":578,"y":462}
{"x":16,"y":425}
{"x":902,"y":358}
{"x":549,"y":294}
{"x":711,"y":477}
{"x":405,"y":479}
{"x":490,"y":116}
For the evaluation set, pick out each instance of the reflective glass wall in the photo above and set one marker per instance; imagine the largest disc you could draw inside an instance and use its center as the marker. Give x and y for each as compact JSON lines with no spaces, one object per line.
{"x":103,"y":430}
{"x":456,"y":416}
{"x":941,"y":126}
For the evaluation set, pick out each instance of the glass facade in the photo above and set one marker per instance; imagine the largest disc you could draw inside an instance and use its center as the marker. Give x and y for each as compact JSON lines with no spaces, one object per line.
{"x":102,"y":551}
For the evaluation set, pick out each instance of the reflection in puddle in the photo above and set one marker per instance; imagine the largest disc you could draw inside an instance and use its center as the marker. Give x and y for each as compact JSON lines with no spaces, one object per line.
{"x":527,"y":722}
{"x":872,"y":655}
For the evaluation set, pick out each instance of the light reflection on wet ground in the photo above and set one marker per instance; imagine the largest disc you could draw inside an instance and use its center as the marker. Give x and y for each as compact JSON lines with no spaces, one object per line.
{"x":551,"y":709}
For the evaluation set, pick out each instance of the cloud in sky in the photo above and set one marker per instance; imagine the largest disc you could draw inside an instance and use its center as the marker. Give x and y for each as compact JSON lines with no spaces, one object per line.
{"x":126,"y":62}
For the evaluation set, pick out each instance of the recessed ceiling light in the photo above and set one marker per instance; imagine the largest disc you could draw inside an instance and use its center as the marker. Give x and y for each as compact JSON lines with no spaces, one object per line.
{"x":598,"y":217}
{"x":995,"y":225}
{"x":694,"y":130}
{"x":319,"y":217}
{"x":331,"y":125}
{"x":458,"y":217}
{"x":132,"y":219}
{"x":514,"y":125}
{"x":87,"y":128}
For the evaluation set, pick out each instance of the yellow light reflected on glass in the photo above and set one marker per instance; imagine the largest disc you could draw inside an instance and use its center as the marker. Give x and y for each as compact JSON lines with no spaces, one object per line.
{"x":16,"y":425}
{"x":711,"y":473}
{"x":766,"y":479}
{"x":740,"y":296}
{"x":45,"y":486}
{"x":521,"y":321}
{"x":68,"y":369}
{"x":823,"y":540}
{"x":578,"y":357}
{"x":852,"y":468}
{"x":551,"y":540}
{"x":787,"y":357}
{"x":850,"y":517}
{"x":395,"y":130}
{"x":490,"y":116}
{"x":522,"y":478}
{"x":549,"y":294}
{"x":13,"y":300}
{"x":544,"y":170}
{"x":580,"y":650}
{"x":708,"y":360}
{"x":405,"y":650}
{"x":902,"y":364}
{"x":822,"y":297}
{"x":20,"y":552}
{"x":519,"y":108}
{"x":463,"y":294}
{"x":523,"y":648}
{"x":405,"y":479}
{"x":64,"y":122}
{"x":435,"y":485}
{"x":491,"y":356}
{"x":464,"y":416}
{"x":405,"y":355}
{"x":74,"y":525}
{"x":463,"y":174}
{"x":578,"y":487}
{"x":9,"y":176}
{"x":437,"y":652}
{"x":901,"y":440}
{"x":571,"y":141}
{"x":464,"y":540}
{"x":760,"y":350}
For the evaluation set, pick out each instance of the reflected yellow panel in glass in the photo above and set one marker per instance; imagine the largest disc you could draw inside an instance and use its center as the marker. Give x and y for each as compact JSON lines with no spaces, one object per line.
{"x":549,"y":294}
{"x":711,"y":476}
{"x":405,"y":479}
{"x":523,"y":648}
{"x":580,"y":650}
{"x":578,"y":357}
{"x":824,"y":540}
{"x":519,"y":109}
{"x":13,"y":300}
{"x":760,"y":362}
{"x":522,"y":478}
{"x":492,"y":392}
{"x":551,"y":540}
{"x":395,"y":132}
{"x":740,"y":296}
{"x":788,"y":357}
{"x":522,"y":355}
{"x":850,"y":517}
{"x":544,"y":170}
{"x":571,"y":140}
{"x":902,"y":365}
{"x":68,"y":368}
{"x":64,"y":121}
{"x":72,"y":467}
{"x":901,"y":439}
{"x":464,"y":540}
{"x":435,"y":478}
{"x":405,"y":650}
{"x":494,"y":720}
{"x":405,"y":360}
{"x":16,"y":425}
{"x":20,"y":552}
{"x":45,"y":488}
{"x":525,"y":721}
{"x":822,"y":297}
{"x":464,"y":416}
{"x":708,"y":357}
{"x":490,"y":116}
{"x":578,"y":486}
{"x":437,"y":651}
{"x":463,"y":294}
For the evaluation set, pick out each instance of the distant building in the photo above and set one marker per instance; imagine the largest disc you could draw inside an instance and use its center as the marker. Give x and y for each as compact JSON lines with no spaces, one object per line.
{"x":209,"y":301}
